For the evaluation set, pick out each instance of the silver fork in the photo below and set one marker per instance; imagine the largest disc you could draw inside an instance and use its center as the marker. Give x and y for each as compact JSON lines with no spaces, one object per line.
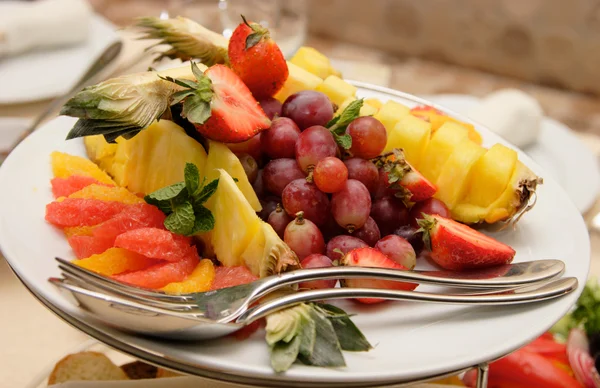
{"x":228,"y":303}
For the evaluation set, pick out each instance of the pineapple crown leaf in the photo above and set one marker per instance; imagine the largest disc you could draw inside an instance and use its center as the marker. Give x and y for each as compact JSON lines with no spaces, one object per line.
{"x":258,"y":33}
{"x":196,"y":95}
{"x":187,"y":39}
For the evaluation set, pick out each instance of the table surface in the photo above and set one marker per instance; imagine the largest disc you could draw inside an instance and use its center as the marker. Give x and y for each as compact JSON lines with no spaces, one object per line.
{"x":32,"y":337}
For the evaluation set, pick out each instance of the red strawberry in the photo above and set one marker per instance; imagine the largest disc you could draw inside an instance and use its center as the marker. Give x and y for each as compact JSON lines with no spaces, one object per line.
{"x":220,"y":106}
{"x":456,"y":246}
{"x":404,"y":178}
{"x":370,"y":257}
{"x":257,"y":59}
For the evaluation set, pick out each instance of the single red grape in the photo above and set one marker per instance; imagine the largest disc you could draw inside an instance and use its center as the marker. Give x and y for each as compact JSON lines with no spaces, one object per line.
{"x":300,"y":195}
{"x":330,"y":174}
{"x":429,"y":206}
{"x":343,"y":244}
{"x":412,"y":235}
{"x":268,"y":205}
{"x":383,"y":184}
{"x":398,"y":249}
{"x":303,"y":237}
{"x":251,"y":147}
{"x":308,"y":108}
{"x":279,"y":141}
{"x":351,"y":206}
{"x":369,"y":233}
{"x":279,"y":172}
{"x":250,"y":166}
{"x":389,"y":213}
{"x":314,"y":144}
{"x":369,"y":137}
{"x":271,"y":107}
{"x":317,"y":260}
{"x":279,"y":219}
{"x":259,"y":185}
{"x":364,"y":171}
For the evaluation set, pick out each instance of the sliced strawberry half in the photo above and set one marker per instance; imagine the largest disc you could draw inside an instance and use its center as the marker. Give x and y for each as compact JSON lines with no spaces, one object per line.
{"x":457,"y":247}
{"x":370,"y":257}
{"x":404,"y":179}
{"x":220,"y":105}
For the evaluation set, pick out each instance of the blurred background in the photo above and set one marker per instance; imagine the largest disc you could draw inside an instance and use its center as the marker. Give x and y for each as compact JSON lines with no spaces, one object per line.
{"x":454,"y":52}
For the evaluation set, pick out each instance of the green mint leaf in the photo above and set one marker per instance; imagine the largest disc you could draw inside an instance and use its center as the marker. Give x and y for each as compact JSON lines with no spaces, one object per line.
{"x":351,"y":113}
{"x":192,"y":178}
{"x":181,"y":221}
{"x":283,"y":354}
{"x":327,"y":351}
{"x":349,"y":336}
{"x":204,"y":220}
{"x":165,"y":198}
{"x":332,"y":122}
{"x":344,"y":141}
{"x":206,"y":192}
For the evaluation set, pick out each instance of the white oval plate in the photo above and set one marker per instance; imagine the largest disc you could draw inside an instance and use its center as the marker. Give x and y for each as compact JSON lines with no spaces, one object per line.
{"x":558,"y":151}
{"x":43,"y":74}
{"x":412,"y":341}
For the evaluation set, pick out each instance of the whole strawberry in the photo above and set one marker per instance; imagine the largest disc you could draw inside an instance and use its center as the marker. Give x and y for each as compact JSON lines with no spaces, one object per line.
{"x":257,"y":59}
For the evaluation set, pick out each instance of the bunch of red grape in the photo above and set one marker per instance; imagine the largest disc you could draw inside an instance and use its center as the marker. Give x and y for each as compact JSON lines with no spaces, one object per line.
{"x":322,"y":199}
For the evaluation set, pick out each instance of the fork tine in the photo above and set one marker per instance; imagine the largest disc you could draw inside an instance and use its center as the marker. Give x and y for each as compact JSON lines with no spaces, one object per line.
{"x":66,"y":265}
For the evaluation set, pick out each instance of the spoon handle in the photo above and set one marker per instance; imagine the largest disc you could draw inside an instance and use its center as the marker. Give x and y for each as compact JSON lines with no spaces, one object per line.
{"x":526,"y":294}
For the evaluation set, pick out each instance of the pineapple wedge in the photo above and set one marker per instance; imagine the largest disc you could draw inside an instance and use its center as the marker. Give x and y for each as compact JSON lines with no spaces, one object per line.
{"x":390,"y":113}
{"x":221,"y":157}
{"x":491,"y":175}
{"x":375,"y":103}
{"x":412,"y":135}
{"x":314,"y":62}
{"x":240,"y":237}
{"x":440,"y":147}
{"x":336,"y":89}
{"x":152,"y":159}
{"x":454,"y":177}
{"x":523,"y":183}
{"x":365,"y":110}
{"x":298,"y":79}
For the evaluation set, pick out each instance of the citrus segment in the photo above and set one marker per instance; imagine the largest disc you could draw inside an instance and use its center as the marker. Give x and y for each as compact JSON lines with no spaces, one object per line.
{"x":159,"y":275}
{"x":86,"y":246}
{"x":65,"y":165}
{"x":81,"y":212}
{"x":198,"y":281}
{"x":155,"y":243}
{"x":78,"y":231}
{"x":140,"y":215}
{"x":231,"y":276}
{"x":114,"y":261}
{"x":107,"y":193}
{"x":63,"y":187}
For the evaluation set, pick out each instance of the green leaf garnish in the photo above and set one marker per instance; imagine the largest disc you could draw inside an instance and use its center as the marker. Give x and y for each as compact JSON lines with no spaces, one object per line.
{"x":338,"y":124}
{"x":349,"y":336}
{"x":283,"y":354}
{"x":258,"y":33}
{"x":182,"y":203}
{"x":586,"y":313}
{"x":327,"y":351}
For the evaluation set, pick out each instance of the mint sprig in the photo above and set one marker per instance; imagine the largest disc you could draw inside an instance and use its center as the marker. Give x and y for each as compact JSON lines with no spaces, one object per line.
{"x":338,"y":124}
{"x":183,"y":203}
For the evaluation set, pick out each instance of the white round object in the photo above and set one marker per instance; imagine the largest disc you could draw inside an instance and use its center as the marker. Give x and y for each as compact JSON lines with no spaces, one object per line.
{"x":411,"y":340}
{"x":510,"y":113}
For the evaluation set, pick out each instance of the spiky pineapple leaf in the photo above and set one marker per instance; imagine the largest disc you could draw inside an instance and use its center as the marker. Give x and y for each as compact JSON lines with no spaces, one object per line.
{"x":187,"y":39}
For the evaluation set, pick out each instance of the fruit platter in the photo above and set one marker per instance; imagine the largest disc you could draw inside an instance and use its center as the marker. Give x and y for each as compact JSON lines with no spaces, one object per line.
{"x":237,"y":165}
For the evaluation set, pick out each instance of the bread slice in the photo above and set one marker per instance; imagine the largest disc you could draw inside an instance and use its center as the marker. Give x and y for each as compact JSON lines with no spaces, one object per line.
{"x":138,"y":370}
{"x":85,"y":366}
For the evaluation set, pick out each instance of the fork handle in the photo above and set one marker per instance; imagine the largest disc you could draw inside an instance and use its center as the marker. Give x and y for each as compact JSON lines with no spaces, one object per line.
{"x":526,"y":294}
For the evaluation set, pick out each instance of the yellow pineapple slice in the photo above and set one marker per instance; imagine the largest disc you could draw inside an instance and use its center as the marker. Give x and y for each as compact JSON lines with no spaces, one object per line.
{"x":336,"y":89}
{"x":491,"y":175}
{"x":314,"y":62}
{"x":375,"y":103}
{"x":439,"y":149}
{"x":390,"y":113}
{"x":99,"y":150}
{"x":198,"y":281}
{"x":107,"y":193}
{"x":240,"y":237}
{"x":412,"y":135}
{"x":221,"y":157}
{"x":65,"y":165}
{"x":365,"y":110}
{"x":155,"y":158}
{"x":298,"y":79}
{"x":454,"y":177}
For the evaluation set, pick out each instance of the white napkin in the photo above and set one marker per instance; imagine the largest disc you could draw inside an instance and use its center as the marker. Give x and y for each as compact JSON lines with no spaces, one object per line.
{"x":42,"y":24}
{"x":183,"y":382}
